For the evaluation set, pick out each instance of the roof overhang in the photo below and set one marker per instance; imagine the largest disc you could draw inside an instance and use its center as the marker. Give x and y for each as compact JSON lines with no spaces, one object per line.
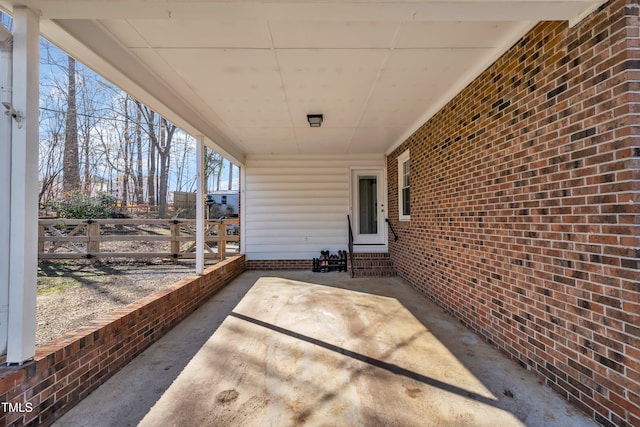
{"x":246,"y":74}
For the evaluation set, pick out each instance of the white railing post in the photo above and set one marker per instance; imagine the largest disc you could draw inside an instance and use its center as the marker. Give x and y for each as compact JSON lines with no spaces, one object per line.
{"x":199,"y":204}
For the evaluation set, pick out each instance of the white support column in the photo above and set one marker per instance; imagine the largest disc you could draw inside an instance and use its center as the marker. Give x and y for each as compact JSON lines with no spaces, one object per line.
{"x":6,"y":47}
{"x":243,"y":209}
{"x":23,"y":261}
{"x":199,"y":204}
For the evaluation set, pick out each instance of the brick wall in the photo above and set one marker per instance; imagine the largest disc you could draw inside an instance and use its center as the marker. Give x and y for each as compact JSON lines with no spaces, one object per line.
{"x":279,"y":264}
{"x":66,"y":370}
{"x":524,"y":209}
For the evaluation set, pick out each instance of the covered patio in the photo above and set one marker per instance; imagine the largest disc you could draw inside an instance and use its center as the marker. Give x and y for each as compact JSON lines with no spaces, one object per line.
{"x":489,"y":149}
{"x":294,"y":347}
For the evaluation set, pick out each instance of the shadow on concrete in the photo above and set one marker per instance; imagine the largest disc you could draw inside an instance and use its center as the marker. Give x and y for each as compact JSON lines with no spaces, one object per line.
{"x":390,"y":367}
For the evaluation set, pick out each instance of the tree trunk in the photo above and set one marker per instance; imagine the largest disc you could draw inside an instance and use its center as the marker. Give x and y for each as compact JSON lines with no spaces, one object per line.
{"x":139,"y":183}
{"x":151,"y":165}
{"x":71,"y":174}
{"x":213,"y":166}
{"x":164,"y":151}
{"x":87,"y":165}
{"x":162,"y":208}
{"x":218,"y":176}
{"x":182,"y":166}
{"x":126,"y":140}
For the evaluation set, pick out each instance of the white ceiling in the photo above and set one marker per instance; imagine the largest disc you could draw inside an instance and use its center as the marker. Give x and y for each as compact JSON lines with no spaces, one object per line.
{"x":246,"y":74}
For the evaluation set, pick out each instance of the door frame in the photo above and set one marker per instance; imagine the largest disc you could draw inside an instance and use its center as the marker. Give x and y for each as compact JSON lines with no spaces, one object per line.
{"x":362,"y":243}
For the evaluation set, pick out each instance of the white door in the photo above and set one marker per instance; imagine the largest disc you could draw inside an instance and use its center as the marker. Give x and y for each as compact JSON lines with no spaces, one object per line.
{"x":368,"y":209}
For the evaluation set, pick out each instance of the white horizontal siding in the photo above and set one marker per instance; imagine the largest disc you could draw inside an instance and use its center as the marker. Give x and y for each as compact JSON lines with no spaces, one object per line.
{"x":295,"y":207}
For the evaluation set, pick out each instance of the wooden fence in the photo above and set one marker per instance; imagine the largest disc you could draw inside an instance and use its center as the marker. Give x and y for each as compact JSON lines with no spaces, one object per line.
{"x":77,"y":238}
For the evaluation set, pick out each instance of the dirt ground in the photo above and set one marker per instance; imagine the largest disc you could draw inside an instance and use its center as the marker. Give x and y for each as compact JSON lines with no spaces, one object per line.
{"x":72,"y":293}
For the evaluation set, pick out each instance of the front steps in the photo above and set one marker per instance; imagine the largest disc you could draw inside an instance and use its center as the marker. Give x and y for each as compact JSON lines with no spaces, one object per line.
{"x":372,"y":265}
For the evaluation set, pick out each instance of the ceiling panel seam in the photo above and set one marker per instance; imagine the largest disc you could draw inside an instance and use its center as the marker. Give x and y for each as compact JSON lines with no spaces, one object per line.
{"x":284,"y":89}
{"x":394,"y":41}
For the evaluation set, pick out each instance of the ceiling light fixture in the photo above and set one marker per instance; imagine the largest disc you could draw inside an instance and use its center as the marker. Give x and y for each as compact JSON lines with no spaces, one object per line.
{"x":315,"y":120}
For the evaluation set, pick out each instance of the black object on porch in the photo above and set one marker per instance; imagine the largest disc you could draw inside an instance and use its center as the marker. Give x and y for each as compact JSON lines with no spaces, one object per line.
{"x":330,"y":262}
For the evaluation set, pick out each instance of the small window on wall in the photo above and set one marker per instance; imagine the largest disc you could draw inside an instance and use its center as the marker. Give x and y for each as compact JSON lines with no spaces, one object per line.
{"x":404,"y":193}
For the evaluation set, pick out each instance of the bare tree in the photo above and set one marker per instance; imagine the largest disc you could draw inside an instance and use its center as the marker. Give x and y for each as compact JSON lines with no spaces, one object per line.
{"x":149,"y":117}
{"x":164,"y":152}
{"x":160,"y":144}
{"x":50,"y":165}
{"x":90,"y":93}
{"x":126,"y":144}
{"x":70,"y":93}
{"x":71,"y":174}
{"x":139,"y":170}
{"x":112,"y":158}
{"x":212,"y":168}
{"x":182,"y":150}
{"x":93,"y":133}
{"x":115,"y":140}
{"x":53,"y":105}
{"x":230,"y":182}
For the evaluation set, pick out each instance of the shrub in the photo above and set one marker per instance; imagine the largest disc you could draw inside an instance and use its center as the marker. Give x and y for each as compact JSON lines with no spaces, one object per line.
{"x":82,"y":206}
{"x":107,"y":199}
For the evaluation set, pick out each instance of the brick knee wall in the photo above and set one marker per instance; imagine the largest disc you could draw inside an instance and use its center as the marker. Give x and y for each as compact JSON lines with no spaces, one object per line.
{"x":66,"y":370}
{"x":524,"y":208}
{"x":279,"y":264}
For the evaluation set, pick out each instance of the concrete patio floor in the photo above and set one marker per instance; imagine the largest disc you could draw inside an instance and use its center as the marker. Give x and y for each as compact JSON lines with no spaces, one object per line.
{"x":302,"y":348}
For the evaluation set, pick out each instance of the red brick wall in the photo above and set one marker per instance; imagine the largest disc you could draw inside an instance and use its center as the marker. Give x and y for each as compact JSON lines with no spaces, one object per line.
{"x":524,"y":209}
{"x":279,"y":264}
{"x":66,"y":370}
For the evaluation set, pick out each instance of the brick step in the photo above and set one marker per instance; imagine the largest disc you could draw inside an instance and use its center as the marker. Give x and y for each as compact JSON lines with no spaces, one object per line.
{"x":372,"y":265}
{"x":375,"y":273}
{"x":371,"y":255}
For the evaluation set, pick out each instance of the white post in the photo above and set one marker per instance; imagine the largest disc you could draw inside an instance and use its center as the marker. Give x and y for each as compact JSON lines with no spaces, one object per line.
{"x":243,"y":209}
{"x":6,"y":47}
{"x":199,"y":204}
{"x":23,"y":253}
